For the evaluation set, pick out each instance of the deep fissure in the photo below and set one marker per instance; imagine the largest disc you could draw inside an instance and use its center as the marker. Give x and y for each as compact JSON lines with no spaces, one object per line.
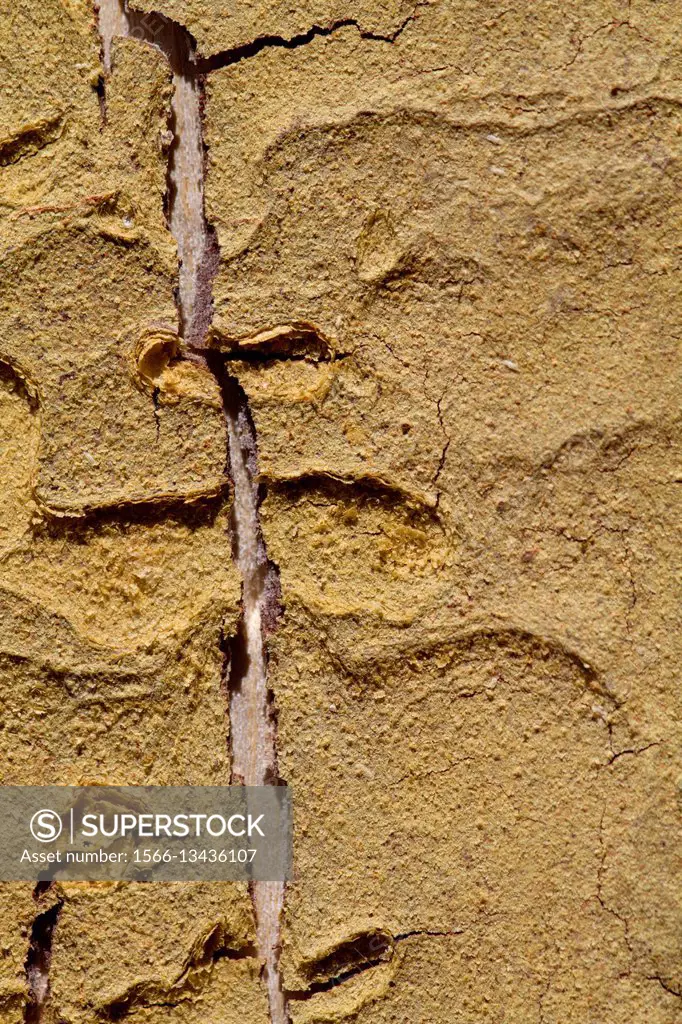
{"x":39,"y":955}
{"x":355,"y":956}
{"x":252,"y":722}
{"x":251,"y":49}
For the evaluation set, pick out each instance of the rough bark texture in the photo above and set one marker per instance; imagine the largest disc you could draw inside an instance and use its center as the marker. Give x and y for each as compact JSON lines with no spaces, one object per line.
{"x":426,"y":332}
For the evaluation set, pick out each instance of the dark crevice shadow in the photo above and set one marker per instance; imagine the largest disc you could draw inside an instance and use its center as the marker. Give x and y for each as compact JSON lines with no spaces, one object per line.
{"x":39,"y":956}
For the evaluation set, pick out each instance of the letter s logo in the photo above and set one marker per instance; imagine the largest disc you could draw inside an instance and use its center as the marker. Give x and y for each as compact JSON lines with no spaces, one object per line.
{"x":46,"y":826}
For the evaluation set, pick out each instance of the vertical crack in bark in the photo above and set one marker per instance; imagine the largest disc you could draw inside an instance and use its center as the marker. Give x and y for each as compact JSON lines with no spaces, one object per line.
{"x":253,"y":732}
{"x":111,"y":21}
{"x":254,"y":751}
{"x":39,"y":956}
{"x":195,"y":239}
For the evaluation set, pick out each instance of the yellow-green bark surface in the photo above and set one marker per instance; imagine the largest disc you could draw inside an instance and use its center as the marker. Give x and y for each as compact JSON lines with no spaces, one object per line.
{"x":472,"y":499}
{"x":448,"y":283}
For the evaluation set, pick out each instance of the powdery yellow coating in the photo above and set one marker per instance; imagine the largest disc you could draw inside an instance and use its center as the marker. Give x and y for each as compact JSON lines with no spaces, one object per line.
{"x":450,"y":264}
{"x":472,"y":500}
{"x":229,"y":990}
{"x":358,"y":554}
{"x":116,"y":578}
{"x":168,"y":937}
{"x":92,"y":200}
{"x":17,"y":910}
{"x":49,"y":66}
